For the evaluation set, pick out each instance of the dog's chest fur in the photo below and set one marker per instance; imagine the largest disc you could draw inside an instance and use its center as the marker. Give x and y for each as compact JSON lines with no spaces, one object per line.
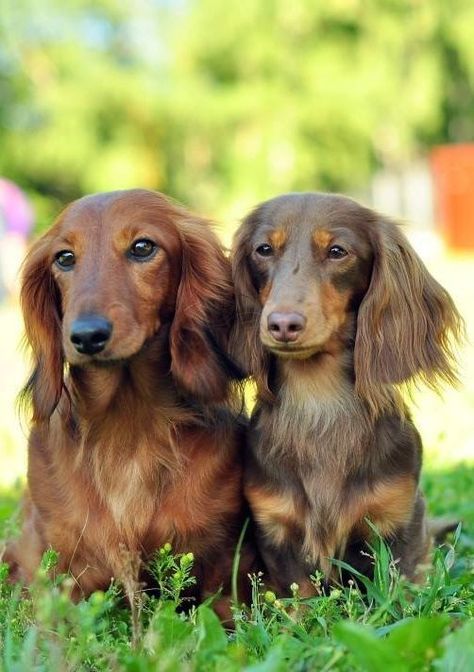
{"x":124,"y":471}
{"x":317,"y":422}
{"x":136,"y":482}
{"x":129,"y":477}
{"x":319,"y":467}
{"x":305,"y":447}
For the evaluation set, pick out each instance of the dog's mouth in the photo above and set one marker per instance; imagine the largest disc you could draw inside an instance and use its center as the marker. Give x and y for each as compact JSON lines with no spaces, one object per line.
{"x":102,"y":354}
{"x":302,"y":344}
{"x":289,"y":351}
{"x":106,"y":362}
{"x":100,"y":360}
{"x":112,"y":356}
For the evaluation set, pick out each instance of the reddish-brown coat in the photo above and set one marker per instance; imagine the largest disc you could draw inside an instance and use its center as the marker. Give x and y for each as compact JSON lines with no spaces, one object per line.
{"x":140,"y":445}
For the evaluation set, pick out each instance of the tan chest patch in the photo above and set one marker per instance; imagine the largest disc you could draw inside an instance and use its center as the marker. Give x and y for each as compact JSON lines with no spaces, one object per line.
{"x":129,"y":498}
{"x":277,"y":513}
{"x":389,"y":505}
{"x":322,"y":537}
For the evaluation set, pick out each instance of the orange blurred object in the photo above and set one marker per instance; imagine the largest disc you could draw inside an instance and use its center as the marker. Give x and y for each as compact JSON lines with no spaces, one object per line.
{"x":453,"y":175}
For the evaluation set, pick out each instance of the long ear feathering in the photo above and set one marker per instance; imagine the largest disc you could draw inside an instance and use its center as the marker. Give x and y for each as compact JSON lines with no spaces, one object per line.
{"x":204,"y":313}
{"x":41,"y":306}
{"x":407,"y":324}
{"x":245,"y":344}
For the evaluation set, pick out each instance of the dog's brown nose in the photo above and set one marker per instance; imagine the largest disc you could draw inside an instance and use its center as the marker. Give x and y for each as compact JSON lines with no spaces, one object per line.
{"x":286,"y":327}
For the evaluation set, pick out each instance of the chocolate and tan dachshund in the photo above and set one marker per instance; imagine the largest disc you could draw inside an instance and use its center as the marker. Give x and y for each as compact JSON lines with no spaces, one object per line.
{"x":335,"y":309}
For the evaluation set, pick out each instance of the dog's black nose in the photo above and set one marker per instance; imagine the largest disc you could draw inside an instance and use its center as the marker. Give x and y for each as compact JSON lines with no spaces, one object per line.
{"x":90,"y":333}
{"x":286,"y":327}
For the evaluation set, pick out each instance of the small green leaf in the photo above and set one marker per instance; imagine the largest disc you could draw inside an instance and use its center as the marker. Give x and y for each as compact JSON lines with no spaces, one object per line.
{"x":373,"y":654}
{"x":417,"y":639}
{"x":459,"y":651}
{"x":211,"y":635}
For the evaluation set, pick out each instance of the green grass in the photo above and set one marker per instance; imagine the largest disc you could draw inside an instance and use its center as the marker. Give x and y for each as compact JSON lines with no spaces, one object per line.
{"x":393,"y":627}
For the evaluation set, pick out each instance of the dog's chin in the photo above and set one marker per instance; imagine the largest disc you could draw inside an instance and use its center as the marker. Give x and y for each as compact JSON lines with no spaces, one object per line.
{"x":290,"y":351}
{"x":109,"y":362}
{"x":102,"y":359}
{"x":119,"y":356}
{"x":95,"y":361}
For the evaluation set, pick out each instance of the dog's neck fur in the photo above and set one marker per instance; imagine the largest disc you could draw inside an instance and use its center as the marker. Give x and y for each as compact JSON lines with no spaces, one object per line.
{"x":317,"y":414}
{"x":144,"y":379}
{"x":121,"y":453}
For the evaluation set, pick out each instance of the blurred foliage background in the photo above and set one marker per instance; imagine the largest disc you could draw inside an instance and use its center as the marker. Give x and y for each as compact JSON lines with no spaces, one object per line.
{"x":222,"y":105}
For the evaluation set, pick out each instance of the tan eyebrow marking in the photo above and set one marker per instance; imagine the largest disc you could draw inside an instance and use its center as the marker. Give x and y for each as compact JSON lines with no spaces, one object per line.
{"x":278,"y":238}
{"x":322,"y":238}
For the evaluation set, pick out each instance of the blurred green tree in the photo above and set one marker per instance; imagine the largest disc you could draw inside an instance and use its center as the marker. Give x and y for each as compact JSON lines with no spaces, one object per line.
{"x":312,"y":95}
{"x":223,"y":105}
{"x":79,"y":100}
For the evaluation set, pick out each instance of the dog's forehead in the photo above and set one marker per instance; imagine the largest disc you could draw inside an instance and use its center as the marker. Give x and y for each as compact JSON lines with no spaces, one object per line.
{"x":84,"y":213}
{"x":311,"y":211}
{"x":99,"y":212}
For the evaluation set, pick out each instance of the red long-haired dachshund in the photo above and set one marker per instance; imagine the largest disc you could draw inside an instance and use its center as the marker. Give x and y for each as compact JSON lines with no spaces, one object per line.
{"x":137,"y":443}
{"x":334,"y":310}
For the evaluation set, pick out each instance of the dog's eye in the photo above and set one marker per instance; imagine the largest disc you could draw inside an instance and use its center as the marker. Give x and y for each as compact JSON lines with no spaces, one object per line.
{"x":142,"y":249}
{"x":264,"y":250}
{"x":65,"y":259}
{"x":336,"y":252}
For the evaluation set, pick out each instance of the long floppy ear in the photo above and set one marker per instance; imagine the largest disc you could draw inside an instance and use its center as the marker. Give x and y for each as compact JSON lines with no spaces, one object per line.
{"x":204,"y":313}
{"x":245,"y":344}
{"x":406,"y":324}
{"x":41,"y":305}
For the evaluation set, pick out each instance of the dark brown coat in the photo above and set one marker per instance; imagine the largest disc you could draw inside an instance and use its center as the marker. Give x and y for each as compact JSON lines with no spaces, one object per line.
{"x":334,"y":310}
